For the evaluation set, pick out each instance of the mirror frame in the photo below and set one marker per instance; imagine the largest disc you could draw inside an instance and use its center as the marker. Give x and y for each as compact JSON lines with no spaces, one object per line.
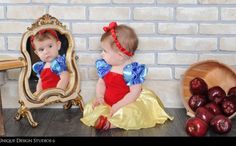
{"x":49,"y":96}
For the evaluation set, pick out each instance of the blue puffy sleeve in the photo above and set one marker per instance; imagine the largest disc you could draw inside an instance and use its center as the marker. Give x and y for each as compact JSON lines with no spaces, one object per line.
{"x":102,"y":67}
{"x":134,"y":73}
{"x":58,"y":65}
{"x":38,"y":67}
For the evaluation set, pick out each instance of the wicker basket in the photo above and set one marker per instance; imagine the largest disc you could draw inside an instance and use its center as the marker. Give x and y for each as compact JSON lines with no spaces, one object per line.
{"x":214,"y":73}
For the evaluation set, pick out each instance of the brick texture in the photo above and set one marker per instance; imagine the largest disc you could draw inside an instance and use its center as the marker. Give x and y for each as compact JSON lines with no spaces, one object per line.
{"x":25,"y":12}
{"x":1,"y":12}
{"x":173,"y":34}
{"x":2,"y":43}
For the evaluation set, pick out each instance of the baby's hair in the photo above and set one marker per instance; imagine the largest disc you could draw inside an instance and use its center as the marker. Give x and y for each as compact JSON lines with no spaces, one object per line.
{"x":43,"y":35}
{"x":126,"y":36}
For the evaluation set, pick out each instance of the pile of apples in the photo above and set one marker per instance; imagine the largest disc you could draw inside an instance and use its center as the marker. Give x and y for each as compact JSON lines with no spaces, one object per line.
{"x":212,"y":108}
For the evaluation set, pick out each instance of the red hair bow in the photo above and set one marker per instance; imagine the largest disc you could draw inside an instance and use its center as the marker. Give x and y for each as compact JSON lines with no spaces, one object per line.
{"x":111,"y":26}
{"x":52,"y":32}
{"x":41,"y":32}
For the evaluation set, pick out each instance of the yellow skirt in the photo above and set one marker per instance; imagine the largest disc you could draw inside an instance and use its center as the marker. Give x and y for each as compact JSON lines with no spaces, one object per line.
{"x":145,"y":112}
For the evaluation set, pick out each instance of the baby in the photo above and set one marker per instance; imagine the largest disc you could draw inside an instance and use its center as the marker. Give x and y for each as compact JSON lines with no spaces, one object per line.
{"x":51,"y":70}
{"x":121,"y":100}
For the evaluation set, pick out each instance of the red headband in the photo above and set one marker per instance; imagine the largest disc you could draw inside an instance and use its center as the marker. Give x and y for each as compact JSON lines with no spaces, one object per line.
{"x":111,"y":28}
{"x":41,"y":32}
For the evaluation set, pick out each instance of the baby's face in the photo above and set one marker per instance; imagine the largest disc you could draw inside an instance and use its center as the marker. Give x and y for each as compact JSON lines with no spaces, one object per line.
{"x":47,"y":50}
{"x":111,"y":56}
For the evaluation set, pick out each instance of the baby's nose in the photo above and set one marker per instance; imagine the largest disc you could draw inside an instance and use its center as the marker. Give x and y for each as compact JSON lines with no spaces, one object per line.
{"x":46,"y":51}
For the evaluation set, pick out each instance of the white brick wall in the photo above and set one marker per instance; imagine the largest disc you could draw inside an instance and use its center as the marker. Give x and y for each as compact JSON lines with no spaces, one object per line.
{"x":2,"y":44}
{"x":228,"y":14}
{"x":228,"y":43}
{"x":14,"y":1}
{"x":1,"y":12}
{"x":143,"y":28}
{"x":19,"y":12}
{"x":68,"y":12}
{"x":90,"y":2}
{"x":50,"y":1}
{"x":197,"y":44}
{"x":217,"y":1}
{"x":14,"y":42}
{"x":196,"y":14}
{"x":153,"y":13}
{"x":109,"y":13}
{"x":176,"y":1}
{"x":177,"y":28}
{"x":134,"y":1}
{"x":173,"y":34}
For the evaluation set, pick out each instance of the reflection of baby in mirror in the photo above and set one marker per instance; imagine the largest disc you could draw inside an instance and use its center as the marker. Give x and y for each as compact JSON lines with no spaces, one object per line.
{"x":51,"y":70}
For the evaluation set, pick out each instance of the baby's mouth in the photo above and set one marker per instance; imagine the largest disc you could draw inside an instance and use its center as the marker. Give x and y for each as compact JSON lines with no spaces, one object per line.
{"x":48,"y":58}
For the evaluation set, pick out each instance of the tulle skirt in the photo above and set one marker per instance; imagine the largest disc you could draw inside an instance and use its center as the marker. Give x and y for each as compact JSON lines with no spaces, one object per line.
{"x":145,"y":112}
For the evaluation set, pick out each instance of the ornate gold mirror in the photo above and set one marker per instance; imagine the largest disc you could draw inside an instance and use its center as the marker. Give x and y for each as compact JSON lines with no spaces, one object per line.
{"x":30,"y":95}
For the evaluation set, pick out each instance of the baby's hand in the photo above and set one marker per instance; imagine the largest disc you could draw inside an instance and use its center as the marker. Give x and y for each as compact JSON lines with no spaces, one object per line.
{"x":97,"y":102}
{"x":114,"y":109}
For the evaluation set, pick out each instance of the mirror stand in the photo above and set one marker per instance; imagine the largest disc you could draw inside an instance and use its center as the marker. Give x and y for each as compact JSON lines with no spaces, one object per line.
{"x":76,"y":102}
{"x":23,"y":112}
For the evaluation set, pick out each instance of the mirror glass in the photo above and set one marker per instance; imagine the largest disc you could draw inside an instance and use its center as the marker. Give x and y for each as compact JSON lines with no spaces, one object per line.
{"x":33,"y":79}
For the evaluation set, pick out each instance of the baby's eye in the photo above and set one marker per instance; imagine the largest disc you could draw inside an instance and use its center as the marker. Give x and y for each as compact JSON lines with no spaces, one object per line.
{"x":41,"y":49}
{"x":50,"y":46}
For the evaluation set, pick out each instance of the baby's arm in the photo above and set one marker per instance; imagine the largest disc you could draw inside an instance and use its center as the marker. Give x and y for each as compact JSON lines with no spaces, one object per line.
{"x":130,"y":97}
{"x":64,"y":80}
{"x":100,"y":91}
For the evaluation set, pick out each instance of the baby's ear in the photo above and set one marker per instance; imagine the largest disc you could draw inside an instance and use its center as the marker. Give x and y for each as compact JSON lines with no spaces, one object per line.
{"x":35,"y":52}
{"x":121,"y":56}
{"x":59,"y":45}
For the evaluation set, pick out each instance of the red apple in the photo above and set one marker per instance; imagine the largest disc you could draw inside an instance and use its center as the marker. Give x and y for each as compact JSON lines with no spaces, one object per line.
{"x":198,"y":86}
{"x":213,"y":108}
{"x":216,"y":94}
{"x":196,"y":127}
{"x":196,"y":101}
{"x":229,"y":105}
{"x":232,"y":91}
{"x":221,"y":124}
{"x":204,"y":114}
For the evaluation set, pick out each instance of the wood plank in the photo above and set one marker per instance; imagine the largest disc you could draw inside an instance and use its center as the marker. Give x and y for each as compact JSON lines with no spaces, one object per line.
{"x":169,"y":127}
{"x":17,"y":128}
{"x":2,"y":131}
{"x":8,"y":113}
{"x":119,"y":132}
{"x":60,"y":122}
{"x":43,"y":116}
{"x":10,"y":64}
{"x":177,"y":126}
{"x":106,"y":133}
{"x":23,"y":128}
{"x":67,"y":123}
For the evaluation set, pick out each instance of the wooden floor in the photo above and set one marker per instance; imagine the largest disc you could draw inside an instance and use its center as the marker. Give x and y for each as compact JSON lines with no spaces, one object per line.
{"x":66,"y":123}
